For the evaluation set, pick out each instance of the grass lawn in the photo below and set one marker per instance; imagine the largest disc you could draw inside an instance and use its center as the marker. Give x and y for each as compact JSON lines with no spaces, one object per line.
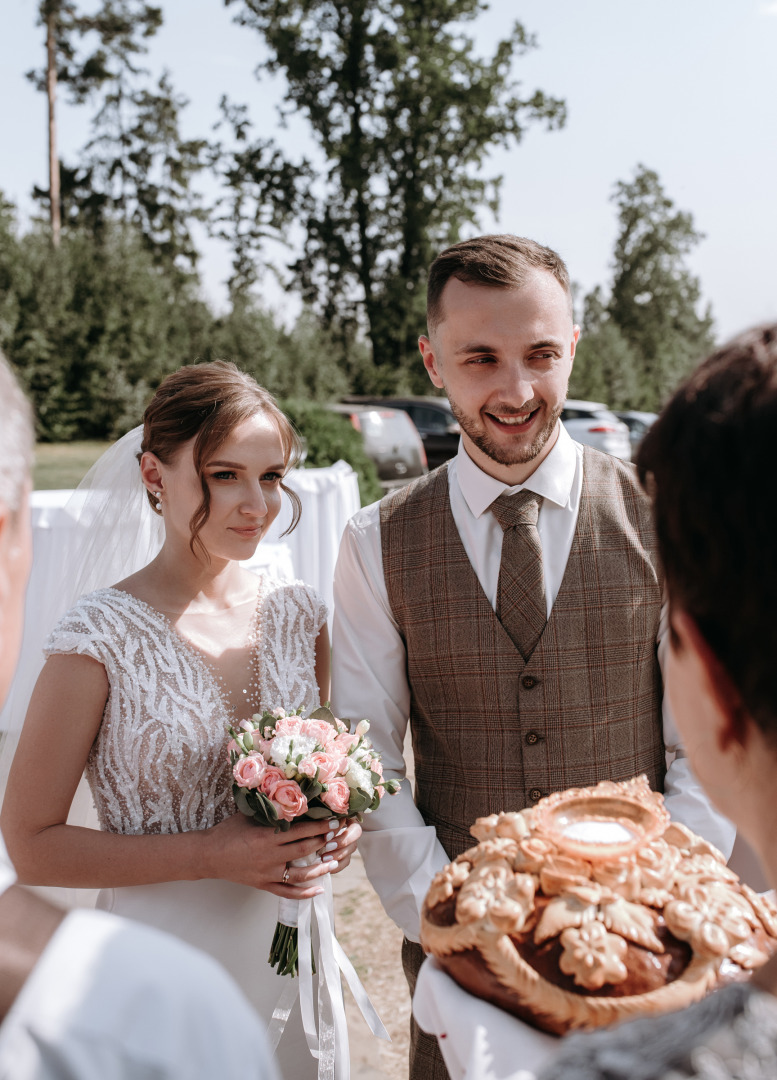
{"x":63,"y":465}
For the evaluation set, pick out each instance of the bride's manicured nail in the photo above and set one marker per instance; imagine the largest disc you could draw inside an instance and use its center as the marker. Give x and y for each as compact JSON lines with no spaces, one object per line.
{"x":327,"y":859}
{"x":341,"y":831}
{"x":329,"y":836}
{"x":333,"y":823}
{"x":330,"y":847}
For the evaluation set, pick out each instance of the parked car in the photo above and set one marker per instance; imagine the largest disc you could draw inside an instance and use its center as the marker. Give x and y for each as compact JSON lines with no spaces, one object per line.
{"x":390,"y":439}
{"x":434,"y":419}
{"x":638,"y":423}
{"x":592,"y":423}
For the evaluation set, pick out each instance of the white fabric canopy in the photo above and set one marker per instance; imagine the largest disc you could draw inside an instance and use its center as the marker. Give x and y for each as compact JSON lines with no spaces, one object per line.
{"x":329,"y":497}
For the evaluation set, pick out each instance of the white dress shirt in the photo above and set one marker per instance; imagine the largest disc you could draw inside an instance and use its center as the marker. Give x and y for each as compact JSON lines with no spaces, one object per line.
{"x":110,"y":999}
{"x":369,"y":665}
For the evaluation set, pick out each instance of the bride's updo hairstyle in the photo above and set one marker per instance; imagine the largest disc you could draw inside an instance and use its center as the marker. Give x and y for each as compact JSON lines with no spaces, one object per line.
{"x":205,"y":402}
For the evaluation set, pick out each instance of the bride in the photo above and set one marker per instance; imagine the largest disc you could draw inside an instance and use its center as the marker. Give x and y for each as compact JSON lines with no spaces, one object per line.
{"x":142,"y":679}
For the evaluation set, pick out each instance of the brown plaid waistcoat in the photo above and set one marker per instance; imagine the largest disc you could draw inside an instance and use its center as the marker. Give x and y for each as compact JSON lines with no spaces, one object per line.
{"x":491,"y":732}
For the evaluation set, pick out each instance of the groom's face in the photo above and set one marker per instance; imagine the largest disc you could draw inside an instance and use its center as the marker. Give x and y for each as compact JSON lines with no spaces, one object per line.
{"x":503,"y":357}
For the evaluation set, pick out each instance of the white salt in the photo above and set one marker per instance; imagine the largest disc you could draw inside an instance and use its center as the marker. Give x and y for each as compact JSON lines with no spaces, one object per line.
{"x":598,"y":832}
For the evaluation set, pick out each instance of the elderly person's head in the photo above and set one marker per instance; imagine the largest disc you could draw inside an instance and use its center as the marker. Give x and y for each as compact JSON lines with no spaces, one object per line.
{"x":16,"y":451}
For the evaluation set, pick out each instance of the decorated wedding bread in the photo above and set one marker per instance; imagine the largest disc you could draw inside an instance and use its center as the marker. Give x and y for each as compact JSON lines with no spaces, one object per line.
{"x":593,"y":907}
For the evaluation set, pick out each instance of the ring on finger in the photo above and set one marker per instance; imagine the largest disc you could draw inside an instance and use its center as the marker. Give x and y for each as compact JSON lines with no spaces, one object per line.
{"x":285,"y":878}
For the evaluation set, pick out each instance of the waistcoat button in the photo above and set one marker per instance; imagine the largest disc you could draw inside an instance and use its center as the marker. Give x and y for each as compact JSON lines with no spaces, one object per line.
{"x":532,"y":737}
{"x":529,"y":682}
{"x":535,"y":794}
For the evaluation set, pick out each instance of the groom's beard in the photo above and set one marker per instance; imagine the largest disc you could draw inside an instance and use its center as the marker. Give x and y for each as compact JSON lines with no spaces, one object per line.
{"x":507,"y":455}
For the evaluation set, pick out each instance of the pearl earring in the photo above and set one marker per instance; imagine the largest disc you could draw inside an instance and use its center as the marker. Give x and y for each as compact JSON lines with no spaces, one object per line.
{"x":158,"y":496}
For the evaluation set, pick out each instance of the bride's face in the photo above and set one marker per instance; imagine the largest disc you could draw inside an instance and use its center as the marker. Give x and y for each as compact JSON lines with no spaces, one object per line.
{"x":243,"y":474}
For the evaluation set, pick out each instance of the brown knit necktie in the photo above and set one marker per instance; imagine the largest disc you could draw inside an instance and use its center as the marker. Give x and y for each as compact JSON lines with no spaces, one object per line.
{"x":520,"y":603}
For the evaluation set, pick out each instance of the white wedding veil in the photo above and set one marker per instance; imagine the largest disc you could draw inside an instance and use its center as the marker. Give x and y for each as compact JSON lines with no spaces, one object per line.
{"x":109,"y":531}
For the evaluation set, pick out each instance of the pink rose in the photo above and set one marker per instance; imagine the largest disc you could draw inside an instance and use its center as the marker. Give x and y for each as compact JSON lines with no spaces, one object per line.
{"x":233,"y":748}
{"x":307,"y":767}
{"x":337,"y":796}
{"x":375,"y":765}
{"x":342,"y":766}
{"x":319,"y":730}
{"x":288,"y":800}
{"x":272,"y":777}
{"x":288,"y":725}
{"x":263,"y":746}
{"x":248,"y":772}
{"x":326,"y":764}
{"x":345,"y":742}
{"x":380,"y":790}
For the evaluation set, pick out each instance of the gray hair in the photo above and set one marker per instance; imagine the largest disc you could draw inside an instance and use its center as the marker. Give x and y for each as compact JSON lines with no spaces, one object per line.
{"x":17,"y":439}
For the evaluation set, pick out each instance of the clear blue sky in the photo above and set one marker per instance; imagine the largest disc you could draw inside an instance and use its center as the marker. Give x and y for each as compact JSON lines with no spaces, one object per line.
{"x":687,"y":87}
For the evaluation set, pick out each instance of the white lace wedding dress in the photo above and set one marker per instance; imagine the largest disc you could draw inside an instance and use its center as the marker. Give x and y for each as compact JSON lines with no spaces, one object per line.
{"x":159,"y":765}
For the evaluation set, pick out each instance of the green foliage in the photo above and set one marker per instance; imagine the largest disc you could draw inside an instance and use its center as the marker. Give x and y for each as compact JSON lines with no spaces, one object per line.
{"x":261,"y":196}
{"x":404,"y":114}
{"x":655,"y":297}
{"x":92,"y":328}
{"x":302,"y":363}
{"x":330,"y":437}
{"x":640,"y":342}
{"x":136,"y":167}
{"x":606,"y":366}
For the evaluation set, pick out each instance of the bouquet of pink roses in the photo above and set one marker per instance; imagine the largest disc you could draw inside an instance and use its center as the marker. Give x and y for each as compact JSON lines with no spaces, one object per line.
{"x":285,"y":767}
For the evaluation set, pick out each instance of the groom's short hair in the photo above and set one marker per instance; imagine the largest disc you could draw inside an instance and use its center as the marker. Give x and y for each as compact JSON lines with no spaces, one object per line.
{"x":16,"y":438}
{"x":708,"y":462}
{"x":499,"y":261}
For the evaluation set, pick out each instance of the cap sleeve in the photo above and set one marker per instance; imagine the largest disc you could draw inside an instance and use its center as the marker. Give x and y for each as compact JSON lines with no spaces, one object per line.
{"x":320,"y":608}
{"x":80,"y":631}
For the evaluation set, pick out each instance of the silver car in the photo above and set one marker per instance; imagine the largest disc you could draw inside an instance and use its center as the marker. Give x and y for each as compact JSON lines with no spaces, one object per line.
{"x":592,"y":423}
{"x":638,"y":424}
{"x":391,"y":439}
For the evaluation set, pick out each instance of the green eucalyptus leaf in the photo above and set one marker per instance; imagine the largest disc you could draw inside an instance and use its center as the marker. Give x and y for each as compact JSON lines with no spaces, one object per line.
{"x":323,"y":713}
{"x":241,"y":801}
{"x":359,"y":801}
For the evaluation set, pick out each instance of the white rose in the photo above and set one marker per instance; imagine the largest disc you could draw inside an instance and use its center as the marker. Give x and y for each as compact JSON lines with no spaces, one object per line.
{"x":358,"y":777}
{"x":281,"y":745}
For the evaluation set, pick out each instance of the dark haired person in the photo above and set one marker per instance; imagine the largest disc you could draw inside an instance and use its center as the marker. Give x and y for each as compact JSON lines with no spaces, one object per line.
{"x":86,"y":994}
{"x":143,"y":678}
{"x":509,"y":604}
{"x":706,"y":463}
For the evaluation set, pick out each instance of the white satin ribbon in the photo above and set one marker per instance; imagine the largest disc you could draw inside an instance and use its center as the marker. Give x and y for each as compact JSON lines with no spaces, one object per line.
{"x":327,"y":1040}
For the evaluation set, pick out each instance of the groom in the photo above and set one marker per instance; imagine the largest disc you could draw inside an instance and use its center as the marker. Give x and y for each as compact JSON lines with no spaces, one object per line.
{"x":508,"y":604}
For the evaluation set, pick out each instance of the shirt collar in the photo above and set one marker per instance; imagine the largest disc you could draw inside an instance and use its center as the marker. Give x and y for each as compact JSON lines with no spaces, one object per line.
{"x":552,"y":479}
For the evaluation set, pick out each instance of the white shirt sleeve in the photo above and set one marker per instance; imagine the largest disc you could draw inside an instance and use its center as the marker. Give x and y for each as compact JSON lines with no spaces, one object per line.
{"x":369,"y":679}
{"x":684,"y":796}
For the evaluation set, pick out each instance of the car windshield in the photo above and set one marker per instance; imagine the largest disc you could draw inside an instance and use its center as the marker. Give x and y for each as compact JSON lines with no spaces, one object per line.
{"x":427,"y":419}
{"x":384,"y":424}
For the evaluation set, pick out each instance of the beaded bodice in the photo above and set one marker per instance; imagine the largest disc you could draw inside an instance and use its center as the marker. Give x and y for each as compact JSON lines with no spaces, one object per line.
{"x":159,"y":763}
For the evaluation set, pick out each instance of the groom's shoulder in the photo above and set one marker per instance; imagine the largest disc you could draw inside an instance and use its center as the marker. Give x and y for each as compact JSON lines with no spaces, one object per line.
{"x":423,"y":489}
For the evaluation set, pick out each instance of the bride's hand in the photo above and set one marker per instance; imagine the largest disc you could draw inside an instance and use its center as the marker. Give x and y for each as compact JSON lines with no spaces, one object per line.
{"x":249,"y":854}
